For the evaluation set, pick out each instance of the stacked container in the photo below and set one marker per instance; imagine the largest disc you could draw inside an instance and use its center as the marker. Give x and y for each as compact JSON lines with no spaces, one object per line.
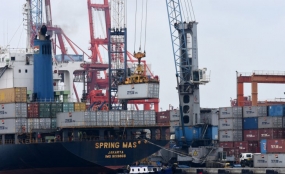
{"x":230,"y":124}
{"x":33,"y":110}
{"x":68,"y":107}
{"x":55,"y":108}
{"x":79,"y":106}
{"x":45,"y":110}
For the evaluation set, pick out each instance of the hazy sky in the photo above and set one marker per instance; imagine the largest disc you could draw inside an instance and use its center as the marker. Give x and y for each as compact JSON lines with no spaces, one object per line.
{"x":236,"y":35}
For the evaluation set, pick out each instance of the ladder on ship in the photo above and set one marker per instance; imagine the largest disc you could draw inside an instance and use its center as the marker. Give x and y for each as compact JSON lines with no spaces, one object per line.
{"x":2,"y":70}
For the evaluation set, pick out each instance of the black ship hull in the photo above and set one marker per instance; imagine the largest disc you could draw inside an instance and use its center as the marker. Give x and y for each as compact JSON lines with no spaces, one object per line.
{"x":74,"y":157}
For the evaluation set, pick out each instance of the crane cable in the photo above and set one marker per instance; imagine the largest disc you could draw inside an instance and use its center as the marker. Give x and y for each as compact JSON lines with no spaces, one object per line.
{"x":135,"y":26}
{"x":141,"y":29}
{"x":145,"y":24}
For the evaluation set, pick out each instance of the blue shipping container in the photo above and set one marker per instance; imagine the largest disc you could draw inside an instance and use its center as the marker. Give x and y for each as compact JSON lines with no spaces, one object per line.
{"x":191,"y":133}
{"x":263,"y":146}
{"x":212,"y":133}
{"x":250,"y":123}
{"x":276,"y":110}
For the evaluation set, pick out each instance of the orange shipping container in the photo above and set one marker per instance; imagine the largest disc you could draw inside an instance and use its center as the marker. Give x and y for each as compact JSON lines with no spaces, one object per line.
{"x":13,"y":95}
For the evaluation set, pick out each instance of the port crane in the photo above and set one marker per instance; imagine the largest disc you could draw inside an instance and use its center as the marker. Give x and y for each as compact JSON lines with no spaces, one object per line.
{"x":183,"y":34}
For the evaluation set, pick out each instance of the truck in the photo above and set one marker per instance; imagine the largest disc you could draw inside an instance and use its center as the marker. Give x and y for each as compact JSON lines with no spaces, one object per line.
{"x":246,"y":159}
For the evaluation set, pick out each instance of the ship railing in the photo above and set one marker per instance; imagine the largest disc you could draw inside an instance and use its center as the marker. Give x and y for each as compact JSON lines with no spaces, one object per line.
{"x":9,"y":141}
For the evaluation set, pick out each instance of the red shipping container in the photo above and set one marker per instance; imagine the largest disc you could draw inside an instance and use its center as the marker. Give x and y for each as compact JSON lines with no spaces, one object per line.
{"x":230,"y":151}
{"x":271,"y":133}
{"x":241,"y":145}
{"x":275,"y":146}
{"x":226,"y":144}
{"x":33,"y":110}
{"x":250,"y":135}
{"x":254,"y":147}
{"x":163,"y":117}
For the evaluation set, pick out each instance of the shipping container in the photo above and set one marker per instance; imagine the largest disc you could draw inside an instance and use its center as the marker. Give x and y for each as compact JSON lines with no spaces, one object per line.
{"x":260,"y":160}
{"x":230,"y":112}
{"x":45,"y":123}
{"x":275,"y":146}
{"x":13,"y":110}
{"x":163,"y":117}
{"x":191,"y":133}
{"x":263,"y":143}
{"x":250,"y":135}
{"x":70,"y":119}
{"x":254,"y":111}
{"x":102,"y":118}
{"x":53,"y":123}
{"x":242,"y":145}
{"x":93,"y":118}
{"x":114,"y":118}
{"x":270,"y":122}
{"x":230,"y":135}
{"x":55,"y":108}
{"x":174,"y":115}
{"x":44,"y":110}
{"x":276,"y":160}
{"x":33,"y":110}
{"x":138,"y":118}
{"x":209,"y":116}
{"x":21,"y":125}
{"x":230,"y":123}
{"x":173,"y":125}
{"x":68,"y":107}
{"x":250,"y":123}
{"x":138,"y":91}
{"x":126,"y":118}
{"x":212,"y":133}
{"x":276,"y":110}
{"x":149,"y":117}
{"x":33,"y":123}
{"x":13,"y":126}
{"x":13,"y":95}
{"x":254,"y":146}
{"x":229,"y":144}
{"x":79,"y":106}
{"x":271,"y":133}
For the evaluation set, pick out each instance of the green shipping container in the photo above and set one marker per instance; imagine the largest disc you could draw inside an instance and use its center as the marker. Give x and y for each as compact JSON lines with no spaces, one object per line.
{"x":44,"y":109}
{"x":56,"y":108}
{"x":68,"y":107}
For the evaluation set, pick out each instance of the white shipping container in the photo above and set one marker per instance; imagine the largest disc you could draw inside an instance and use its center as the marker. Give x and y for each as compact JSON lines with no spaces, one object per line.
{"x":45,"y":123}
{"x":126,"y":118}
{"x":149,"y":117}
{"x":13,"y":110}
{"x":230,"y":135}
{"x":102,"y":118}
{"x":270,"y":122}
{"x":138,"y":91}
{"x":70,"y":119}
{"x":254,"y":111}
{"x":138,"y":119}
{"x":210,"y":117}
{"x":21,"y":125}
{"x":114,"y":118}
{"x":8,"y":126}
{"x":174,"y":115}
{"x":276,"y":160}
{"x":260,"y":160}
{"x":33,"y":123}
{"x":230,"y":123}
{"x":173,"y":125}
{"x":230,"y":112}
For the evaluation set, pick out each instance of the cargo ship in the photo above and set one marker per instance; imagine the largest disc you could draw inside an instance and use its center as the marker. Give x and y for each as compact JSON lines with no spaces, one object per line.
{"x":42,"y":132}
